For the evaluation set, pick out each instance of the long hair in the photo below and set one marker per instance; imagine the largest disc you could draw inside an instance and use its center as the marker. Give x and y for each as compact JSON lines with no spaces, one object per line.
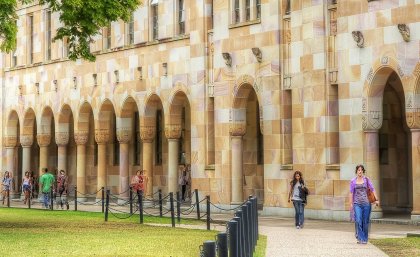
{"x":5,"y":174}
{"x":360,"y":166}
{"x":294,"y":181}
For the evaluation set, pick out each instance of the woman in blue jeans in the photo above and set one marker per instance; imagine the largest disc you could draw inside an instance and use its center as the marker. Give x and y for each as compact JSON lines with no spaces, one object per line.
{"x":296,"y":186}
{"x":360,"y":204}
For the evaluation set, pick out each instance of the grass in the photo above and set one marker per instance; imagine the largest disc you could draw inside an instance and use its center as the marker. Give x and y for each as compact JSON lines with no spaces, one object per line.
{"x":399,"y":247}
{"x":25,"y":232}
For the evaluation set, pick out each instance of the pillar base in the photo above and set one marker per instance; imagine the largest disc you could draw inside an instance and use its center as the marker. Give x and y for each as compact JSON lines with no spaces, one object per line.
{"x":415,"y":217}
{"x":376,"y":214}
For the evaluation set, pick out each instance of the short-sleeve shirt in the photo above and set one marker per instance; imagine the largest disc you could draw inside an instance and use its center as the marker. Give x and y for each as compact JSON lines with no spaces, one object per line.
{"x":295,"y":196}
{"x":47,"y":181}
{"x":7,"y":183}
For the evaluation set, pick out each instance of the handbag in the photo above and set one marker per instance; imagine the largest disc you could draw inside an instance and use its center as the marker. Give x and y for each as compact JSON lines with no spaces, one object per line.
{"x":370,"y":194}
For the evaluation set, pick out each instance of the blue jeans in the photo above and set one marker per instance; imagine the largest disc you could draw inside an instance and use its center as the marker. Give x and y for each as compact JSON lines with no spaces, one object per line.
{"x":362,"y":217}
{"x":299,"y":212}
{"x":46,"y":199}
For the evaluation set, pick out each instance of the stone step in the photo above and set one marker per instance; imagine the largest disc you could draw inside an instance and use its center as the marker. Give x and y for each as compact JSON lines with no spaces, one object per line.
{"x":396,"y":221}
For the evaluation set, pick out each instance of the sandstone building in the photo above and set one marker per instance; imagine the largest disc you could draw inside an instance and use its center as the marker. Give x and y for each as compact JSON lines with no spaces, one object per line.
{"x":246,"y":91}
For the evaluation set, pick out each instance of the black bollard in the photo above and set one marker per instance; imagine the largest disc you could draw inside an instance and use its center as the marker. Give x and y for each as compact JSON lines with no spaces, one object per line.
{"x":107,"y":204}
{"x":233,"y":238}
{"x":103,"y":196}
{"x":131,"y":200}
{"x":208,"y":212}
{"x":222,"y":245}
{"x":197,"y":202}
{"x":160,"y":203}
{"x":178,"y":206}
{"x":30,"y":199}
{"x":241,"y":238}
{"x":209,"y":249}
{"x":75,"y":198}
{"x":256,"y":215}
{"x":8,"y":197}
{"x":250,"y":228}
{"x":246,"y":227}
{"x":171,"y":198}
{"x":52,"y":199}
{"x":140,"y":200}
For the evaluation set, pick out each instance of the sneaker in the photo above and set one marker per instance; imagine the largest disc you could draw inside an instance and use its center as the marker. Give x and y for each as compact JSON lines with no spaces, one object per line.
{"x":297,"y":227}
{"x":67,"y":205}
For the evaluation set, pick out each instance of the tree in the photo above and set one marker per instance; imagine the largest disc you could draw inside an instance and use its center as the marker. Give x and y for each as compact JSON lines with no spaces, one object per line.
{"x":81,"y":21}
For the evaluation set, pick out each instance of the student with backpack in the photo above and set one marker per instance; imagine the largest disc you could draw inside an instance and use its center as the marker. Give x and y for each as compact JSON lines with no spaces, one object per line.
{"x":297,"y":194}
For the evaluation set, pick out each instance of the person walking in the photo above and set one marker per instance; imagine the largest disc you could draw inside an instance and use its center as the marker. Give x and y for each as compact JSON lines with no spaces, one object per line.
{"x":360,"y":204}
{"x":62,"y":189}
{"x":7,"y":186}
{"x":138,"y":182}
{"x":26,"y":187}
{"x":46,"y":184}
{"x":182,"y":182}
{"x":297,"y":194}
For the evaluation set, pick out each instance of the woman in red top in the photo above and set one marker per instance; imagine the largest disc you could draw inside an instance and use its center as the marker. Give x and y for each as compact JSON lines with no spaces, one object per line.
{"x":138,"y":182}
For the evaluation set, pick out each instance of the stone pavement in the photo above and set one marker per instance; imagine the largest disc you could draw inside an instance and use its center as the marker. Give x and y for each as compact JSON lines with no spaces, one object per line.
{"x":317,"y":238}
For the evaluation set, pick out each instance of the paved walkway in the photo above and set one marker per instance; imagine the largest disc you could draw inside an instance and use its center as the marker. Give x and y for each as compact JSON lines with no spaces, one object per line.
{"x":317,"y":238}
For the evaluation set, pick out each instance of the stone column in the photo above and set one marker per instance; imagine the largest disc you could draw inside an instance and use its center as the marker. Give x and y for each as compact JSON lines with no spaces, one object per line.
{"x":81,"y":138}
{"x":124,"y":136}
{"x":415,"y":150}
{"x":173,"y":133}
{"x":44,"y":141}
{"x":372,"y":165}
{"x":62,"y":139}
{"x":147,"y":135}
{"x":10,"y":143}
{"x":237,"y":130}
{"x":101,"y":137}
{"x":26,"y":141}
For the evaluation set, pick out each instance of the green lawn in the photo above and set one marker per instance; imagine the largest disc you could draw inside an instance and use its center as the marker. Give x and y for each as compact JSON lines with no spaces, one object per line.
{"x":399,"y":247}
{"x":25,"y":232}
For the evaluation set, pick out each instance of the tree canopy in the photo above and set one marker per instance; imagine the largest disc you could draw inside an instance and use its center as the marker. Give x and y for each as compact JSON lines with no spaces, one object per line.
{"x":81,"y":20}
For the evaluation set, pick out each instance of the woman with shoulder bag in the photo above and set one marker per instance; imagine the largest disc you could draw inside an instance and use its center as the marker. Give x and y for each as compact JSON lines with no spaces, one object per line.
{"x":360,"y":205}
{"x":297,"y":185}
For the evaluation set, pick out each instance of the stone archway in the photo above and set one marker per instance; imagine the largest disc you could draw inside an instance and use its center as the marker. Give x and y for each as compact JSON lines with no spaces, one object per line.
{"x":13,"y":150}
{"x":387,"y":137}
{"x":46,"y":140}
{"x":64,"y":137}
{"x":178,"y":133}
{"x":30,"y":151}
{"x":151,"y":134}
{"x":246,"y":144}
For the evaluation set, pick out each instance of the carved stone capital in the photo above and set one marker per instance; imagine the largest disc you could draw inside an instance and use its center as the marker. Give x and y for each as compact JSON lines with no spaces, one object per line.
{"x":81,"y":137}
{"x":101,"y":136}
{"x":147,"y":133}
{"x":26,"y":140}
{"x":10,"y":141}
{"x":237,"y":128}
{"x":62,"y":138}
{"x":173,"y":131}
{"x":43,"y":139}
{"x":123,"y":135}
{"x":404,"y":31}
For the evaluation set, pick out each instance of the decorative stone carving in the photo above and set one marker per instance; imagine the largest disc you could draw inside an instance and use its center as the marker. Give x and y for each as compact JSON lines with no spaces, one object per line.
{"x":123,"y":135}
{"x":237,"y":128}
{"x":26,"y":140}
{"x":81,"y":137}
{"x":101,"y":136}
{"x":358,"y":38}
{"x":228,"y":59}
{"x":10,"y":141}
{"x":43,"y":139}
{"x":173,"y":131}
{"x":147,"y":133}
{"x":61,"y":138}
{"x":405,"y":32}
{"x":257,"y":52}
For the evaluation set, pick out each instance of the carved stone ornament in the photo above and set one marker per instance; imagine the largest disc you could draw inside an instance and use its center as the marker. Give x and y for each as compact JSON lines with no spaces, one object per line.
{"x":405,"y":32}
{"x":26,"y":140}
{"x":81,"y":137}
{"x":173,"y":131}
{"x":147,"y":133}
{"x":10,"y":141}
{"x":228,"y":59}
{"x":358,"y":38}
{"x":257,"y":52}
{"x":101,"y":136}
{"x":43,"y":139}
{"x":237,"y":128}
{"x":124,"y":136}
{"x":62,"y":138}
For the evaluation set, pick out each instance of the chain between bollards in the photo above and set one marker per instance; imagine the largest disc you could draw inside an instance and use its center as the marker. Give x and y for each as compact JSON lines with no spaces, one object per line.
{"x":103,"y":196}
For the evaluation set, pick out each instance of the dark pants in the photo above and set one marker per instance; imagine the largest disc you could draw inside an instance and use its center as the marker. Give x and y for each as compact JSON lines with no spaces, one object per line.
{"x":299,"y":212}
{"x":362,"y":216}
{"x":184,"y":189}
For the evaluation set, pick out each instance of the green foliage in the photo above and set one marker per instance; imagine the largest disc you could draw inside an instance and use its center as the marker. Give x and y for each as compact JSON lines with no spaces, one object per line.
{"x":81,"y":19}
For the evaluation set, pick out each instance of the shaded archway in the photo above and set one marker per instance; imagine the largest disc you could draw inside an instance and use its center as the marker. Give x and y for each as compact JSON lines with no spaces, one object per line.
{"x":151,"y":134}
{"x":247,"y":145}
{"x":30,"y":151}
{"x":13,"y":151}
